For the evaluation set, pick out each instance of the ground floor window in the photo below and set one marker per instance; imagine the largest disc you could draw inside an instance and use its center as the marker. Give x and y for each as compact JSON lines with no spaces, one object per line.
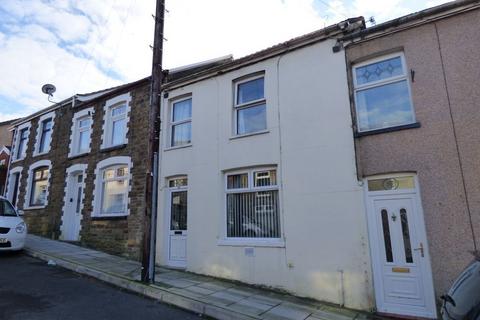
{"x":252,"y":209}
{"x":112,"y":186}
{"x":37,"y":185}
{"x":38,"y":193}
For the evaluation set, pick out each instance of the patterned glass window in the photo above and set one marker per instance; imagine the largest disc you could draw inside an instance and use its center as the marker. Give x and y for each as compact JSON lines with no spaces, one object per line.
{"x":382,"y":94}
{"x":386,"y":236}
{"x":406,"y":236}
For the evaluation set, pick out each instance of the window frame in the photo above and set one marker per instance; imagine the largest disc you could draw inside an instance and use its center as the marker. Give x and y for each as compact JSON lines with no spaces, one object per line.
{"x":108,"y":119}
{"x":244,"y":241}
{"x":40,"y":130}
{"x":172,"y":124}
{"x":75,"y":132}
{"x":379,"y":83}
{"x":11,"y":184}
{"x":28,"y":193}
{"x":23,"y":127}
{"x":103,"y":165}
{"x":246,"y":105}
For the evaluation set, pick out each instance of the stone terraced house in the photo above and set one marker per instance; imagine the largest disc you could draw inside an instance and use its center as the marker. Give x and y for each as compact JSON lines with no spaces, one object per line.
{"x":77,"y":169}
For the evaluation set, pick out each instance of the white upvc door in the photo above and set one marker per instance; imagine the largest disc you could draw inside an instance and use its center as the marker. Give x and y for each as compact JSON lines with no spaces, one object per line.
{"x":177,"y":227}
{"x":401,"y":263}
{"x":71,"y":216}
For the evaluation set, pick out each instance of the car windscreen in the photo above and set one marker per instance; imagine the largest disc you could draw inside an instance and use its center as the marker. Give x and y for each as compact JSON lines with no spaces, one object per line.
{"x":6,"y":209}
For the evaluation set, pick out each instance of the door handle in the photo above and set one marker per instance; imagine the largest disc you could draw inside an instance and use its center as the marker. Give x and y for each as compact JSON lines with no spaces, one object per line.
{"x":420,"y":249}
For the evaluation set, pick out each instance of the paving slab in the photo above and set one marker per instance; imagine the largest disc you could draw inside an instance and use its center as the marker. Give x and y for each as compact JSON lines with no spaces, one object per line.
{"x":205,"y":295}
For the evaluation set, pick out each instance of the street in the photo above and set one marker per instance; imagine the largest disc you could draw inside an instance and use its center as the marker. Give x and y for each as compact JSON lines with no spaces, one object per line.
{"x":30,"y":289}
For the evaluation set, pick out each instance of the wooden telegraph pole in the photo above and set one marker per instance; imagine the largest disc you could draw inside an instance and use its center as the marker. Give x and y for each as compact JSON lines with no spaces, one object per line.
{"x":149,"y":240}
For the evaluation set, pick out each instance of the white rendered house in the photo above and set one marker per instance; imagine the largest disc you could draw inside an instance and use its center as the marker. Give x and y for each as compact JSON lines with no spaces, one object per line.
{"x":257,"y":175}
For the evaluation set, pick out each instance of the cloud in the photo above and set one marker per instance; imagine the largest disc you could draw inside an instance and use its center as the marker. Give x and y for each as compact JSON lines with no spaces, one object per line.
{"x":88,"y":45}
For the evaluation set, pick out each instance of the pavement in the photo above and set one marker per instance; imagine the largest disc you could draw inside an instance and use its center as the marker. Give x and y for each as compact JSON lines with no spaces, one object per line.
{"x":212,"y":297}
{"x":30,"y":289}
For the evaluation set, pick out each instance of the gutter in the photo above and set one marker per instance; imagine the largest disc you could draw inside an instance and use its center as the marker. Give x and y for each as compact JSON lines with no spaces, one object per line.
{"x":416,"y":19}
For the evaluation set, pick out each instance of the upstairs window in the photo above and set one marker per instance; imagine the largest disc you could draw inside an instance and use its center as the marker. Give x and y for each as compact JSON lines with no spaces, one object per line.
{"x":116,"y":121}
{"x":250,"y":106}
{"x":181,"y":123}
{"x":119,"y":121}
{"x":38,"y":191}
{"x":81,"y":132}
{"x":252,"y":209}
{"x":22,"y":143}
{"x":382,"y":93}
{"x":45,"y":135}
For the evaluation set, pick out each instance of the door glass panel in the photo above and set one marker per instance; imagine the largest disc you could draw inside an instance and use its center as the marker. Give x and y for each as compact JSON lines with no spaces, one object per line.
{"x":79,"y":199}
{"x":406,"y":236}
{"x":386,"y":236}
{"x":178,"y":219}
{"x":391,"y":184}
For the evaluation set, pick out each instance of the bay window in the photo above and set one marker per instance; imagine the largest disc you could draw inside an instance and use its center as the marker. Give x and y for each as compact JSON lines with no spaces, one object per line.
{"x":382,"y":93}
{"x":252,"y":209}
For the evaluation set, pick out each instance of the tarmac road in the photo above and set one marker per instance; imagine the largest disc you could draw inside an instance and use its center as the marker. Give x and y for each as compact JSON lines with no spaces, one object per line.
{"x":30,"y":289}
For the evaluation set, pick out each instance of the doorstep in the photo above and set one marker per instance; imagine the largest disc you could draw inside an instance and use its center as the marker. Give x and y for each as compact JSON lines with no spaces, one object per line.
{"x":219,"y":299}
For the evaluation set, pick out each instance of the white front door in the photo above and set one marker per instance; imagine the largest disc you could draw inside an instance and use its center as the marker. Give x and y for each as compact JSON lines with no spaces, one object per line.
{"x":177,"y":227}
{"x":401,"y":264}
{"x":72,"y":214}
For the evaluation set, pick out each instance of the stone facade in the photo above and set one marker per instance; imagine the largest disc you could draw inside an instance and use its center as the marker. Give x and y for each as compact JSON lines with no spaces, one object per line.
{"x":117,"y":235}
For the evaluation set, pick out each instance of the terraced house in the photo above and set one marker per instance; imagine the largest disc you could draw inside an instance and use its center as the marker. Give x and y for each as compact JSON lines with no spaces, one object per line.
{"x":77,"y":169}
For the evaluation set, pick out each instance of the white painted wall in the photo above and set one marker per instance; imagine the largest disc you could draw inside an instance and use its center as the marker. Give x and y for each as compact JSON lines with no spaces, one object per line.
{"x":310,"y":141}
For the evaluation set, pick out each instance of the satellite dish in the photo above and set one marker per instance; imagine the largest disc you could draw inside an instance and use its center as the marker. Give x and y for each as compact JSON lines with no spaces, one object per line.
{"x":48,"y":89}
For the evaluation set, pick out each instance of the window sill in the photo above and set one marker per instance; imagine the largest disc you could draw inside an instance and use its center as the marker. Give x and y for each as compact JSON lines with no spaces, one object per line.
{"x":18,"y":160}
{"x":111,"y":217}
{"x":35,"y":207}
{"x":249,"y":134}
{"x":178,"y":147}
{"x":40,"y":154}
{"x":75,"y":156}
{"x":386,"y":130}
{"x":277,"y":243}
{"x":112,"y":148}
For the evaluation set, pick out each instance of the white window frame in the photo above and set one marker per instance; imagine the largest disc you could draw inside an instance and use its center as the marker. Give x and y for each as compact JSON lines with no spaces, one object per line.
{"x":75,"y":131}
{"x":378,"y":83}
{"x":107,"y":129}
{"x":28,"y":193}
{"x":36,"y":149}
{"x":26,"y":126}
{"x":246,"y":105}
{"x":98,"y":185}
{"x":172,"y":124}
{"x":11,"y":181}
{"x":254,"y":242}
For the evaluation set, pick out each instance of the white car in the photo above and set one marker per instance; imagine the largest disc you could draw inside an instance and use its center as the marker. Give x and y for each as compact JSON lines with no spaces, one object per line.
{"x":13,"y":229}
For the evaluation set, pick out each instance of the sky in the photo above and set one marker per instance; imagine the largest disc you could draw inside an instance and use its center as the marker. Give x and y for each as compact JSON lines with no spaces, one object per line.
{"x":82,"y":46}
